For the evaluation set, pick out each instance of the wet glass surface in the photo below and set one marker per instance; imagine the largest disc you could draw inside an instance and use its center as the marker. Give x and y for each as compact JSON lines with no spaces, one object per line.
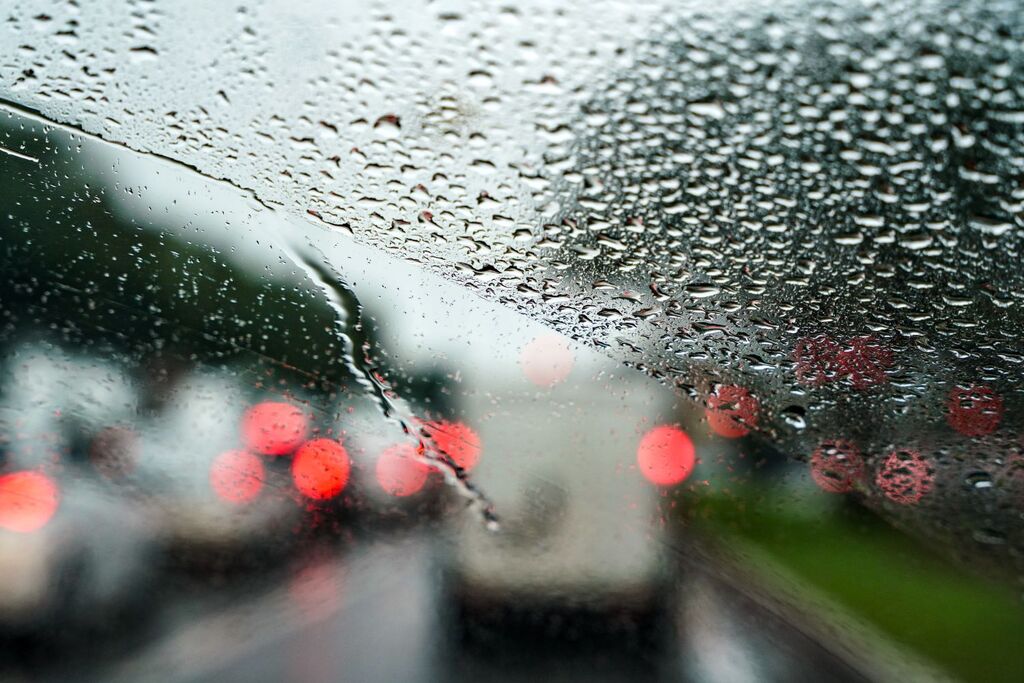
{"x":701,"y":362}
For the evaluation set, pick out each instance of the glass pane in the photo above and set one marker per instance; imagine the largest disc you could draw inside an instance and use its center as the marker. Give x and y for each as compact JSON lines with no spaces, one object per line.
{"x":591,"y":341}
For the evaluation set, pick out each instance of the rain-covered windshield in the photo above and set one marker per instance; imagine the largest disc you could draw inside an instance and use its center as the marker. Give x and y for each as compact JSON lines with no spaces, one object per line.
{"x":421,"y":341}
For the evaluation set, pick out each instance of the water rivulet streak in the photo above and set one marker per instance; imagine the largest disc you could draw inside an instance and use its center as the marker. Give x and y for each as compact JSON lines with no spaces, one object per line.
{"x":348,"y":321}
{"x":344,"y":304}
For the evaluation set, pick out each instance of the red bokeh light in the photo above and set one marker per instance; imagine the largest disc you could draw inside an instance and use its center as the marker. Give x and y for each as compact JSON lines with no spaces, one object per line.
{"x":732,"y":411}
{"x":836,"y":466}
{"x":456,"y":440}
{"x":320,"y":469}
{"x":399,"y":470}
{"x":816,"y":360}
{"x":975,"y":411}
{"x":236,"y":476}
{"x":905,"y":477}
{"x":28,"y":500}
{"x":863,"y":361}
{"x":274,"y":428}
{"x":666,"y":455}
{"x":547,"y":360}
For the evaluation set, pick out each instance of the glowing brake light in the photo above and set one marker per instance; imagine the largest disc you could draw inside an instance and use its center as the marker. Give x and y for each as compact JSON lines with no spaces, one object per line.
{"x":837,"y":466}
{"x":905,"y":477}
{"x":236,"y":476}
{"x":456,"y":440}
{"x":274,"y":428}
{"x":399,"y":470}
{"x":28,"y":500}
{"x":666,"y":455}
{"x":320,"y":469}
{"x":975,"y":411}
{"x":732,"y":411}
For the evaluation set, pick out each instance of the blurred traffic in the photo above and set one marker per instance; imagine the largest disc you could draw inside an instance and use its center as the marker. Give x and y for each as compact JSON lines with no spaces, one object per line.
{"x":239,"y":443}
